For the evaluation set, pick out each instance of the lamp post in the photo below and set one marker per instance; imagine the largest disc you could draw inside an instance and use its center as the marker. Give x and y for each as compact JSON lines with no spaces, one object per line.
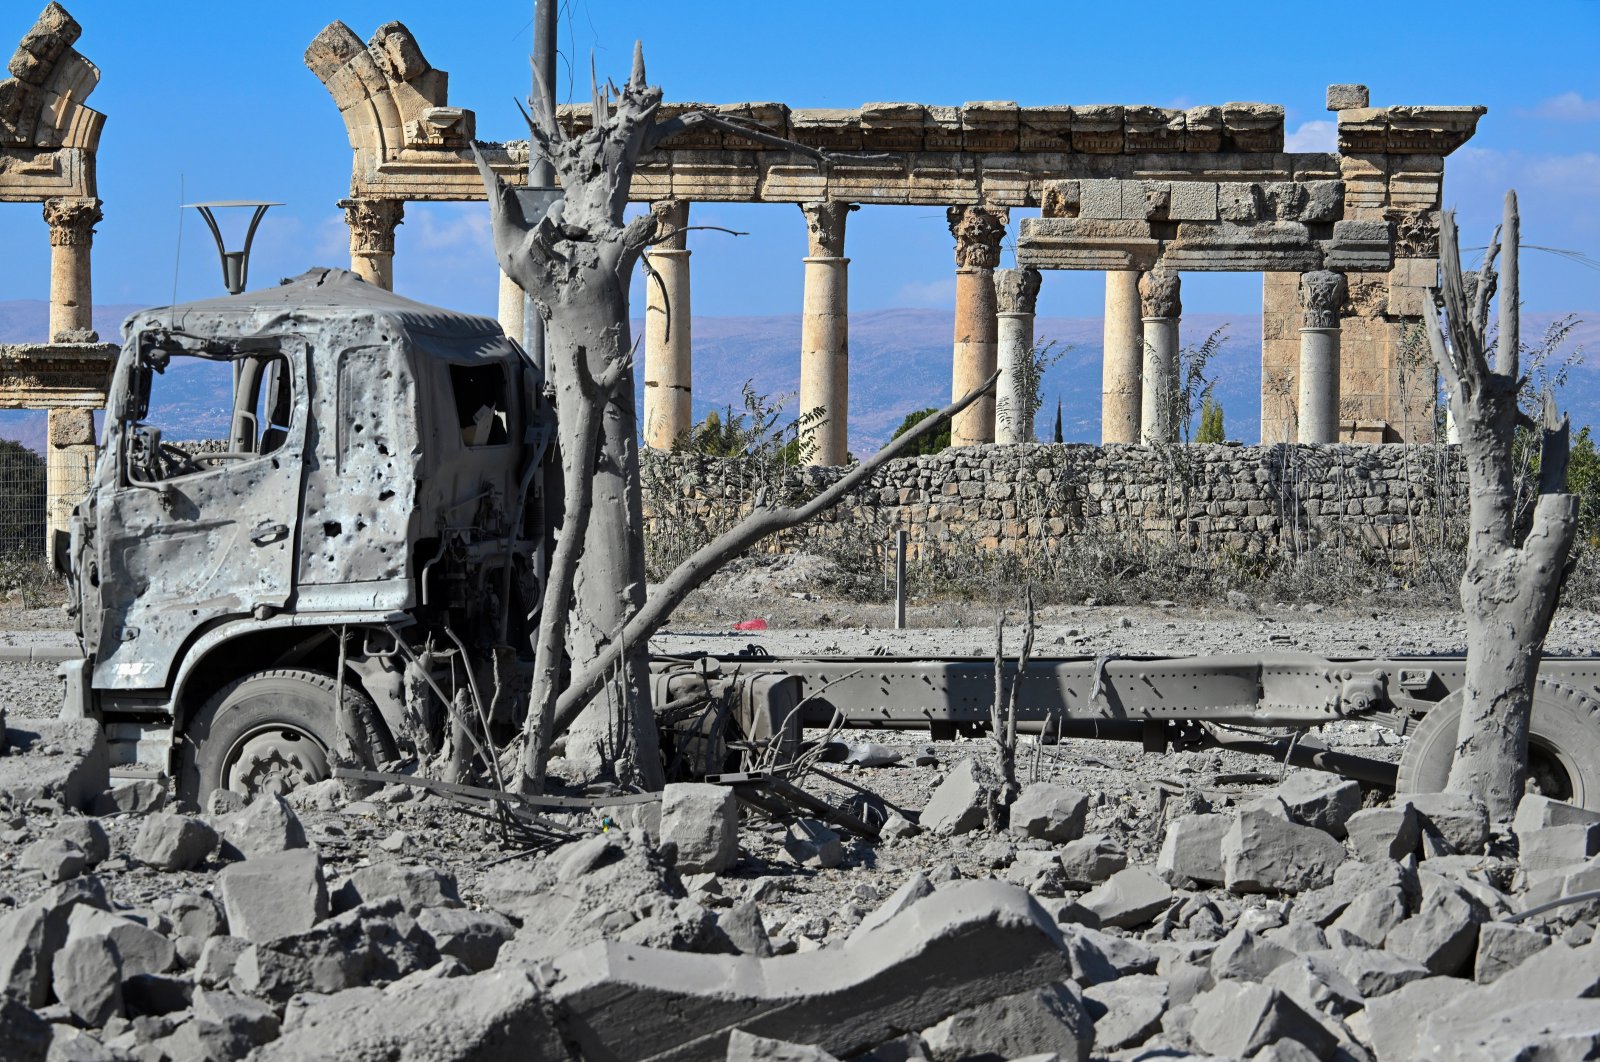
{"x":235,"y":264}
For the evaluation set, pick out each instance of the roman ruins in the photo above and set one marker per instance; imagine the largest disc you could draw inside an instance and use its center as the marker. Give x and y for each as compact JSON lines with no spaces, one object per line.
{"x":48,"y":137}
{"x":1346,"y":242}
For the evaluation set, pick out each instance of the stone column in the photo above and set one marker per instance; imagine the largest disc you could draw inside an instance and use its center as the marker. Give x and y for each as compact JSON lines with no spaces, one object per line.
{"x":1161,"y":306}
{"x":72,"y":223}
{"x":668,"y":362}
{"x":510,"y":312}
{"x":1016,"y":294}
{"x":372,"y":223}
{"x":825,"y":336}
{"x":978,"y":231}
{"x":1322,"y":293}
{"x":69,"y":465}
{"x":1120,"y":391}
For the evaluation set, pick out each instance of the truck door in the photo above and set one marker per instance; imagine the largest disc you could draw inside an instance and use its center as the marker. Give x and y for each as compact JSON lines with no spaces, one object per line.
{"x":199,"y":522}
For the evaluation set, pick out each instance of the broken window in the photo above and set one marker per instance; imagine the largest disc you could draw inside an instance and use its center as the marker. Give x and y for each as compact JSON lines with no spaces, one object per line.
{"x":194,"y":412}
{"x":481,"y":405}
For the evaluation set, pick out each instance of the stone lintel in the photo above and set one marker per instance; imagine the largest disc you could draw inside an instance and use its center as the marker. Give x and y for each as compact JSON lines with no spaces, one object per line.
{"x":1407,"y":130}
{"x":56,"y":375}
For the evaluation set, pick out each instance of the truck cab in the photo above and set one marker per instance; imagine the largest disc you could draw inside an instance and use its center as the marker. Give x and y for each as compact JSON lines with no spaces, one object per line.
{"x":315,"y":532}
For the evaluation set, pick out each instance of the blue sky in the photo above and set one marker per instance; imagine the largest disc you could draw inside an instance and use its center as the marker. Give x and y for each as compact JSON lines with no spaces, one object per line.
{"x":218,"y":96}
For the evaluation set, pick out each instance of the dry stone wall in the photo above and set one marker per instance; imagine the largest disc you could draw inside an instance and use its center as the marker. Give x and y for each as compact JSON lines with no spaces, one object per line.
{"x":1253,"y":500}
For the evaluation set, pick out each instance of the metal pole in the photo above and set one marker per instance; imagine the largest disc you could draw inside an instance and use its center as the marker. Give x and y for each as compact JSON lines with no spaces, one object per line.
{"x":900,"y":579}
{"x":540,"y":173}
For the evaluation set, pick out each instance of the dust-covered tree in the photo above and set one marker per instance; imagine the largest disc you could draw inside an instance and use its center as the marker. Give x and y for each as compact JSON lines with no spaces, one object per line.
{"x":1513,"y":572}
{"x":575,"y":259}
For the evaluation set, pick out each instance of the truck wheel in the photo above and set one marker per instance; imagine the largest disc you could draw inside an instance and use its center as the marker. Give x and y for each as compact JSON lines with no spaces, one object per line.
{"x":1563,"y":746}
{"x":265,"y":733}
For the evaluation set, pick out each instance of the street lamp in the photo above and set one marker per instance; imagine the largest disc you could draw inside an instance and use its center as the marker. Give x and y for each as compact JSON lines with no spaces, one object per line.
{"x":235,"y":264}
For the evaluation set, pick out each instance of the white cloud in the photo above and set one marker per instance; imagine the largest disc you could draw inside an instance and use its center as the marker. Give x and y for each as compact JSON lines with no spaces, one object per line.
{"x":1318,"y":135}
{"x":1567,"y":107}
{"x":932,"y":294}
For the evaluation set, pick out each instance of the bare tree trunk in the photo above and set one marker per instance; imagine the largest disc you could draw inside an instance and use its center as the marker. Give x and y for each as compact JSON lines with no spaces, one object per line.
{"x":1509,"y":589}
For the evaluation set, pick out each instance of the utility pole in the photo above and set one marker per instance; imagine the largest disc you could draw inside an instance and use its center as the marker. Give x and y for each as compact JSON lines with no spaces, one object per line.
{"x":541,"y":175}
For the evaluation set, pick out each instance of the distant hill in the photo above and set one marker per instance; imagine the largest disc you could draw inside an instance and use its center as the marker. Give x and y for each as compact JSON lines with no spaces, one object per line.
{"x":899,"y":362}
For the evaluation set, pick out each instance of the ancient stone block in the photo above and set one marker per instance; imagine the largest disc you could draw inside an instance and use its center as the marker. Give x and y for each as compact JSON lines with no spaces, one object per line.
{"x":960,"y":804}
{"x":173,"y":842}
{"x":1049,"y":811}
{"x":1130,"y":897}
{"x":1098,"y":129}
{"x":1256,"y":127}
{"x":1237,"y":1019}
{"x":1192,"y":201}
{"x":1347,"y":97}
{"x":1265,"y":852}
{"x":1202,"y":130}
{"x":273,"y":896}
{"x":702,"y":822}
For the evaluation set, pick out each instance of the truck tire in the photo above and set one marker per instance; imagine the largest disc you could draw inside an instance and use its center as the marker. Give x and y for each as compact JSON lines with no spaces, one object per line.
{"x":1563,"y":746}
{"x":272,"y":731}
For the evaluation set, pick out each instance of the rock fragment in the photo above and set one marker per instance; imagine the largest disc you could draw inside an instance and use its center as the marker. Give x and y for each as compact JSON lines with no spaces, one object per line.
{"x":1127,"y":1011}
{"x":1325,"y":801}
{"x":266,"y":825}
{"x":743,"y":1047}
{"x":273,"y":896}
{"x":1443,"y":934}
{"x":1130,"y":897}
{"x":702,"y":822}
{"x":414,"y":886}
{"x":131,"y":798}
{"x":1454,"y":820}
{"x":1263,"y":851}
{"x":140,"y":949}
{"x":173,"y":842}
{"x":88,"y":835}
{"x":1050,"y":812}
{"x":1091,"y":859}
{"x":1051,"y":1018}
{"x":1535,"y":812}
{"x":1192,"y":849}
{"x":1238,"y":1019}
{"x":53,"y":858}
{"x":1503,"y":946}
{"x":960,"y":804}
{"x":809,"y":842}
{"x":474,"y":938}
{"x":87,"y":976}
{"x":1384,"y":833}
{"x":742,"y":924}
{"x":1551,"y":847}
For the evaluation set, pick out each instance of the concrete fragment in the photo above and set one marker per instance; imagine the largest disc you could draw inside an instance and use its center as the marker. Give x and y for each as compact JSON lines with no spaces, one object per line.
{"x":702,"y":822}
{"x":53,"y":858}
{"x":1373,"y":913}
{"x":1547,"y":1029}
{"x":274,"y":895}
{"x":742,"y":924}
{"x":375,"y":942}
{"x":1455,"y":820}
{"x":809,"y":842}
{"x":1503,"y":946}
{"x":62,"y":760}
{"x":916,"y":887}
{"x":140,"y":949}
{"x":1390,"y":1023}
{"x":960,"y":804}
{"x":173,"y":842}
{"x":1246,"y":956}
{"x":1535,"y":812}
{"x":1090,"y":860}
{"x":1316,"y":984}
{"x":415,"y":886}
{"x":1130,"y":897}
{"x":1127,"y":1011}
{"x":87,"y":976}
{"x":88,"y":835}
{"x":131,"y":798}
{"x":1263,"y":851}
{"x":249,"y":1022}
{"x":1384,"y":833}
{"x":1237,"y":1019}
{"x":31,"y":935}
{"x":1325,"y":801}
{"x":968,"y":943}
{"x":742,"y":1047}
{"x":218,"y":956}
{"x":266,"y":825}
{"x":1192,"y":849}
{"x":494,"y":1016}
{"x":1050,"y":812}
{"x":1550,"y":847}
{"x":193,"y":915}
{"x":474,"y":938}
{"x":1374,"y":972}
{"x":1443,"y":934}
{"x":1051,"y":1018}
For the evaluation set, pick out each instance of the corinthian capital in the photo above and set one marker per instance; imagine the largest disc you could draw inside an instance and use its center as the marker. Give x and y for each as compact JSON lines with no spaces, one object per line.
{"x":72,"y":221}
{"x":825,"y":227}
{"x":372,"y":223}
{"x":672,"y":218}
{"x":978,"y":231}
{"x":1016,"y":290}
{"x":1159,"y":294}
{"x":1322,"y":295}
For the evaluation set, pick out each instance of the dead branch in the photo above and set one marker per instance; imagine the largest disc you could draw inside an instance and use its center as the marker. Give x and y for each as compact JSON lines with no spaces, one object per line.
{"x":707,"y":560}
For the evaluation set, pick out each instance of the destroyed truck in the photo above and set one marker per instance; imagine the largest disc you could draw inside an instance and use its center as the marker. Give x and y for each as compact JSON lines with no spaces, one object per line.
{"x":358,"y":554}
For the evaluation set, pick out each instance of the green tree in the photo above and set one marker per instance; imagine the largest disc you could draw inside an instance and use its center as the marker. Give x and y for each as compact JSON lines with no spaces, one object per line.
{"x":934,"y":443}
{"x":1211,"y":430}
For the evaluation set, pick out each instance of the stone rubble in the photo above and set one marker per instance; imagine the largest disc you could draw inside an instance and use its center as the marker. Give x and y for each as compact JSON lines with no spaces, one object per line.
{"x":1089,"y":924}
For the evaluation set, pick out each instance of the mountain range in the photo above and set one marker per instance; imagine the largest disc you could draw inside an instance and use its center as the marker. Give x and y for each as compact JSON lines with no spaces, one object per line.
{"x":899,"y":363}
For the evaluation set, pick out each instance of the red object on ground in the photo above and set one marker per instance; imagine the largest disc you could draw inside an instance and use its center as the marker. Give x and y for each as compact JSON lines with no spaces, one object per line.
{"x":757,"y":624}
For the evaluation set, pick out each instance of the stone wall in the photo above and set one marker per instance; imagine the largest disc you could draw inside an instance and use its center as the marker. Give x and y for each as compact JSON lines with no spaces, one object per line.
{"x":1250,"y":500}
